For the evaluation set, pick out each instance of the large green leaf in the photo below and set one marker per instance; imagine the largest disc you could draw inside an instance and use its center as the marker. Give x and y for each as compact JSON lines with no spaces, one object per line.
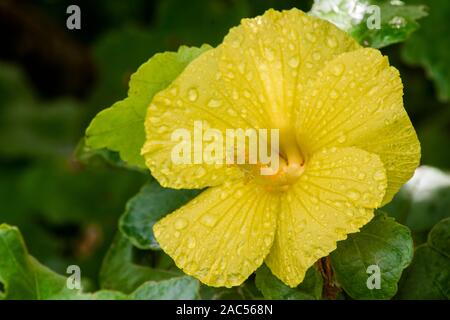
{"x":22,"y":276}
{"x":272,"y":288}
{"x":383,"y":243}
{"x":428,"y":277}
{"x":397,"y":20}
{"x":147,"y":207}
{"x":423,"y":201}
{"x":428,"y":47}
{"x":119,"y":271}
{"x":121,"y":127}
{"x":181,"y":288}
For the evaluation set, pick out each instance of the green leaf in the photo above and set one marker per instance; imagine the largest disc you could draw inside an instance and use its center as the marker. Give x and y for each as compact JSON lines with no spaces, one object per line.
{"x":119,"y":272}
{"x":146,"y":208}
{"x":428,"y":277}
{"x":29,"y":127}
{"x":181,"y":288}
{"x":383,"y":243}
{"x":423,"y":201}
{"x":22,"y":276}
{"x":100,"y":157}
{"x":121,"y":127}
{"x":428,"y":47}
{"x":272,"y":288}
{"x":397,"y":20}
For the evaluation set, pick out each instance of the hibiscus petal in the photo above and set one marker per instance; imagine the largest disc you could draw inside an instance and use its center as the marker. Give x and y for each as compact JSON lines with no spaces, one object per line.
{"x":335,"y":196}
{"x":274,"y":56}
{"x":356,"y":100}
{"x":223,"y":235}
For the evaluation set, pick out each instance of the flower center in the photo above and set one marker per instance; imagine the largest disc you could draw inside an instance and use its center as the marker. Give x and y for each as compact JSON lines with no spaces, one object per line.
{"x":291,"y":165}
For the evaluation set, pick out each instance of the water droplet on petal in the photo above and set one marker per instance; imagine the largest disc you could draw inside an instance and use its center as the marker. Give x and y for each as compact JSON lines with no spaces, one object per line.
{"x":293,"y":62}
{"x":208,"y":220}
{"x":334,"y":94}
{"x":269,"y":54}
{"x":162,"y":129}
{"x":192,"y":94}
{"x":200,"y":172}
{"x":331,"y":42}
{"x":341,"y":138}
{"x":338,"y":69}
{"x":181,"y":223}
{"x":353,"y":195}
{"x":191,"y":242}
{"x":214,"y":103}
{"x":311,"y":37}
{"x":231,"y":112}
{"x":379,"y":175}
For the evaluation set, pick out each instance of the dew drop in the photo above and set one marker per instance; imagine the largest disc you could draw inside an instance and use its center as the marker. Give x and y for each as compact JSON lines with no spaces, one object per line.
{"x":331,"y":42}
{"x":208,"y":220}
{"x":154,"y":120}
{"x":231,"y":112}
{"x":192,"y":94}
{"x":200,"y":172}
{"x":214,"y":103}
{"x":162,"y":129}
{"x":191,"y":243}
{"x":397,"y":22}
{"x":316,"y":56}
{"x":293,"y":62}
{"x":354,"y":195}
{"x":338,"y":69}
{"x":341,"y":138}
{"x":397,"y":3}
{"x":181,"y":223}
{"x":311,"y":37}
{"x":241,"y":67}
{"x":269,"y":54}
{"x":235,"y":44}
{"x":379,"y":175}
{"x":334,"y":94}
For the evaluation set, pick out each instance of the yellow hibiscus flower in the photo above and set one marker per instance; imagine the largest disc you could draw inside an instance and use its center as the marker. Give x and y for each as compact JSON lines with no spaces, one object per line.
{"x":346,"y":147}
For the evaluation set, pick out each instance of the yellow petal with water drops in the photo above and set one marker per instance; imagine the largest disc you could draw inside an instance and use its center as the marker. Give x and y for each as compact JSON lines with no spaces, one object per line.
{"x":223,"y":235}
{"x":356,"y":100}
{"x":176,"y":125}
{"x":267,"y":60}
{"x":335,"y":196}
